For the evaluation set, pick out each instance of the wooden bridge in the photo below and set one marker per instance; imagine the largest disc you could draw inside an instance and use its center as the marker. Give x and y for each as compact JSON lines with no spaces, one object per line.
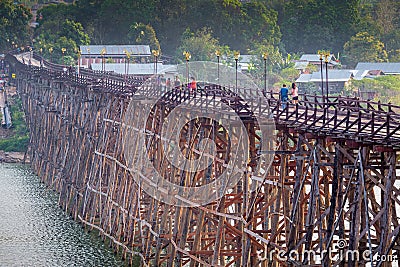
{"x":322,"y":192}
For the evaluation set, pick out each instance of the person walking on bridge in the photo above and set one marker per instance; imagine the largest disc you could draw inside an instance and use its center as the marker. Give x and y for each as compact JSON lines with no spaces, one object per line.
{"x":177,"y":83}
{"x":283,"y":96}
{"x":193,"y":85}
{"x":295,"y":93}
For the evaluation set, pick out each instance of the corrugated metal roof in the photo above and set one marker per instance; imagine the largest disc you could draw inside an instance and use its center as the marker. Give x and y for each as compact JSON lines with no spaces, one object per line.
{"x":304,"y":78}
{"x":359,"y":74}
{"x":315,"y":58}
{"x":300,"y":65}
{"x":119,"y":50}
{"x":386,"y":67}
{"x":138,"y":69}
{"x":333,"y":76}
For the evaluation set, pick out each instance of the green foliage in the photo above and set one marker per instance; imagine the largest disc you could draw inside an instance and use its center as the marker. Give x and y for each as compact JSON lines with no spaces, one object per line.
{"x":14,"y":27}
{"x":202,"y":45}
{"x":364,"y":47}
{"x":144,"y":34}
{"x":387,"y":88}
{"x":392,"y":44}
{"x":311,"y":25}
{"x":53,"y":36}
{"x":15,"y":144}
{"x":272,"y":63}
{"x":19,"y":138}
{"x":290,"y":74}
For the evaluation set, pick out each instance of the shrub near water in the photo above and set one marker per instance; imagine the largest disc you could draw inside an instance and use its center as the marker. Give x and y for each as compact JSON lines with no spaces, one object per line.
{"x":17,"y":138}
{"x":15,"y":144}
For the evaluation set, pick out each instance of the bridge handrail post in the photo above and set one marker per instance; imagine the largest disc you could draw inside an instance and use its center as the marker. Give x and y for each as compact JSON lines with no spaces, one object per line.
{"x":372,"y":122}
{"x":387,"y":124}
{"x":287,"y":110}
{"x":278,"y":107}
{"x":335,"y":118}
{"x":306,"y":114}
{"x":348,"y":118}
{"x":359,"y":121}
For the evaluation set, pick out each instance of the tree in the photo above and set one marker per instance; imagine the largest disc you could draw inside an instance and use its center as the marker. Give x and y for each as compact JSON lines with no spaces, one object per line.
{"x":202,"y":45}
{"x":311,"y":25}
{"x":14,"y":25}
{"x":143,"y":34}
{"x":386,"y":15}
{"x":386,"y":88}
{"x":57,"y":35}
{"x":259,"y":25}
{"x":364,"y":47}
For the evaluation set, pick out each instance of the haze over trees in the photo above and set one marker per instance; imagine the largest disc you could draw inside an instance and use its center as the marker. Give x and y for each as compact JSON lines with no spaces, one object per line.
{"x":294,"y":26}
{"x":354,"y":30}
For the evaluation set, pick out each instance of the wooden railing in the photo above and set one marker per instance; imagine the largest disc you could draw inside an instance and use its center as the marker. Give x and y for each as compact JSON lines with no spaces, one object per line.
{"x":336,"y":116}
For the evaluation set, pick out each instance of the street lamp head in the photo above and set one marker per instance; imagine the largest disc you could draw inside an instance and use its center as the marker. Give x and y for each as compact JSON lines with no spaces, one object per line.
{"x":320,"y":53}
{"x":156,"y":53}
{"x":51,"y":50}
{"x":128,"y":55}
{"x":103,"y":51}
{"x":63,"y":50}
{"x":327,"y":55}
{"x":236,"y":55}
{"x":187,"y":55}
{"x":265,"y":55}
{"x":217,"y":53}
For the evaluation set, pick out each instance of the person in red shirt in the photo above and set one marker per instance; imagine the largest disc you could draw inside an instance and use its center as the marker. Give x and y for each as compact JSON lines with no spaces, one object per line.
{"x":193,"y":84}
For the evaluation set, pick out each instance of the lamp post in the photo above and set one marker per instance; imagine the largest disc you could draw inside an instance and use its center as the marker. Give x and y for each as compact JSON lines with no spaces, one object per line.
{"x":127,"y":59}
{"x":89,"y":59}
{"x":30,"y":55}
{"x":236,"y":55}
{"x":79,"y":60}
{"x":51,"y":53}
{"x":103,"y":62}
{"x":187,"y":57}
{"x":218,"y":54}
{"x":321,"y":53}
{"x":63,"y":52}
{"x":265,"y":56}
{"x":156,"y":53}
{"x":41,"y":57}
{"x":327,"y":55}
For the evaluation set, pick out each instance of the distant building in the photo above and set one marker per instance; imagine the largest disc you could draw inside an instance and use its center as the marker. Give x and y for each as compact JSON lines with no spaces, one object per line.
{"x":145,"y":69}
{"x":314,"y":59}
{"x":337,"y":79}
{"x":91,"y":54}
{"x":376,"y":69}
{"x":246,"y":62}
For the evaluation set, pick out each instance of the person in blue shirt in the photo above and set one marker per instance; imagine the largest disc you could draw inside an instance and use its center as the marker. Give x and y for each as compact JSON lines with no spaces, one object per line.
{"x":283,"y":96}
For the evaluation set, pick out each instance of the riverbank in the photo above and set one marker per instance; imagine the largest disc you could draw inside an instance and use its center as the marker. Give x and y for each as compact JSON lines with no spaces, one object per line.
{"x":13,"y":157}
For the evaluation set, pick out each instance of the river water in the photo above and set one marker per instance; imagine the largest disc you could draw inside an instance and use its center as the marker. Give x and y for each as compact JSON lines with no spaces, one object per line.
{"x":34,"y":231}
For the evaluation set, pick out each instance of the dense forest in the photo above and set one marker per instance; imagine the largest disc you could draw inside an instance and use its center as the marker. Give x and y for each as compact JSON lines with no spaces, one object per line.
{"x":353,"y":30}
{"x":356,"y":30}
